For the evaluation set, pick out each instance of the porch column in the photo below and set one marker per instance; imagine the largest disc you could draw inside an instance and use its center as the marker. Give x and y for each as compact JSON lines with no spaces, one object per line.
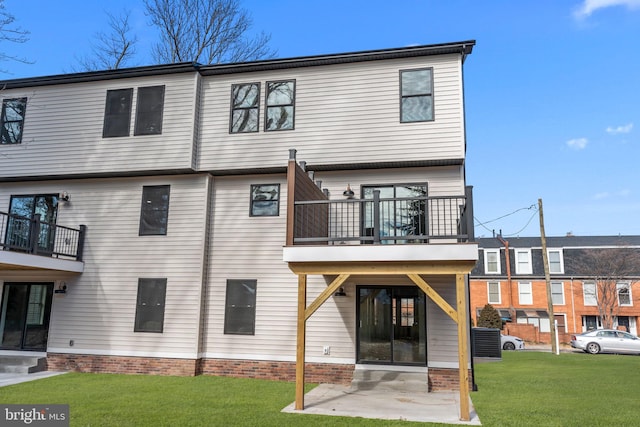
{"x":300,"y":347}
{"x":463,"y":357}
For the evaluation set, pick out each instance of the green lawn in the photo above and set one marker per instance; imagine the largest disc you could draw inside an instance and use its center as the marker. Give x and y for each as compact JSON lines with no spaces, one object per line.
{"x":524,"y":389}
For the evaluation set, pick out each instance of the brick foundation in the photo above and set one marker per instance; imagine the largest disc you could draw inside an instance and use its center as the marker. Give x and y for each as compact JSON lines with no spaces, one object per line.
{"x":281,"y":371}
{"x":439,"y":379}
{"x":120,"y":364}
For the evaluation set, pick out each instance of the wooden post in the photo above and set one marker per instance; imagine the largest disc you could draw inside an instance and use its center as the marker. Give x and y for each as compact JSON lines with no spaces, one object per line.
{"x":463,"y":357}
{"x":300,"y":347}
{"x":547,"y":279}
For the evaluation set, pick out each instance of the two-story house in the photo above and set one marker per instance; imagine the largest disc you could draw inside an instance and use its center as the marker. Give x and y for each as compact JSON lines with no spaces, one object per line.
{"x":287,"y":218}
{"x":516,"y":284}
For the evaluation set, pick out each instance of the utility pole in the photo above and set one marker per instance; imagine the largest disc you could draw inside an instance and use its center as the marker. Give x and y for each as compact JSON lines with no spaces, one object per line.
{"x":545,"y":261}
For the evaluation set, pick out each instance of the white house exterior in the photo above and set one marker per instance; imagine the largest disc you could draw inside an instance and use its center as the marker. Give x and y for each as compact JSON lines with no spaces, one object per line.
{"x":196,"y":219}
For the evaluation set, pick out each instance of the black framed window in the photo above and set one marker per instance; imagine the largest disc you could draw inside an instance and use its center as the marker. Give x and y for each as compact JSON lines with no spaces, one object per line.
{"x":265,"y":199}
{"x":154,"y":212}
{"x":280,"y":109}
{"x":150,"y":305}
{"x":240,"y":307}
{"x":149,"y":109}
{"x":416,"y":95}
{"x":117,"y":113}
{"x":13,"y":111}
{"x":245,"y":99}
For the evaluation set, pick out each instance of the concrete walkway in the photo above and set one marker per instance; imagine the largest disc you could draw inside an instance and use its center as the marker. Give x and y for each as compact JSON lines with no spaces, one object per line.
{"x":434,"y":407}
{"x":10,"y":379}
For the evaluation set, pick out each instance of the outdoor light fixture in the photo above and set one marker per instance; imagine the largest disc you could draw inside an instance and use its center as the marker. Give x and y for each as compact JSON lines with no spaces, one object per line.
{"x":340,"y":293}
{"x":348,"y":193}
{"x":64,"y":196}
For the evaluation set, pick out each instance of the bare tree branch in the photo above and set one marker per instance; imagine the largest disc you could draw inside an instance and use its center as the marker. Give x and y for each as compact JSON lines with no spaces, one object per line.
{"x":112,"y":50}
{"x":607,"y":268}
{"x":11,"y":33}
{"x":204,"y":31}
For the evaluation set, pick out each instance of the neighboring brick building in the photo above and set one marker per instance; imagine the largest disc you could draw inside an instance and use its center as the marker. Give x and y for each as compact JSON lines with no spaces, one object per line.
{"x":517,"y":288}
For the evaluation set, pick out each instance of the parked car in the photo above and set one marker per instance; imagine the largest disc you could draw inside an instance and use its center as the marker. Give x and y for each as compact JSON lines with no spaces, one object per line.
{"x":509,"y":342}
{"x":606,"y":341}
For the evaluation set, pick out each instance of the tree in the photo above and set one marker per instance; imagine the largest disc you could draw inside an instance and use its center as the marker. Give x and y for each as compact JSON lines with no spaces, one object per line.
{"x":204,"y":31}
{"x":11,"y":33}
{"x":112,"y":50}
{"x":612,"y":272}
{"x":489,"y":318}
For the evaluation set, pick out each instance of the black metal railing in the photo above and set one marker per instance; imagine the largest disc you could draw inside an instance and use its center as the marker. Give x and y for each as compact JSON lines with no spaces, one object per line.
{"x":424,"y":219}
{"x":33,"y":236}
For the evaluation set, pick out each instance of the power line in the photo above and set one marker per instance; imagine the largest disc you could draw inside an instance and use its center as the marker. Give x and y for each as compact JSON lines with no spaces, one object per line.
{"x":483,"y":224}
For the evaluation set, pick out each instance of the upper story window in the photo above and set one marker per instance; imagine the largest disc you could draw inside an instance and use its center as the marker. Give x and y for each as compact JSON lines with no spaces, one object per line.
{"x":154,"y":213}
{"x":265,"y":199}
{"x":525,"y":295}
{"x":624,"y":293}
{"x":492,"y":261}
{"x":280,"y":105}
{"x":556,"y":264}
{"x":13,"y":111}
{"x":493,"y":291}
{"x":416,"y":95}
{"x":523,"y":261}
{"x":589,"y":293}
{"x":117,"y":113}
{"x":244,"y":107}
{"x":149,"y":109}
{"x":557,"y":293}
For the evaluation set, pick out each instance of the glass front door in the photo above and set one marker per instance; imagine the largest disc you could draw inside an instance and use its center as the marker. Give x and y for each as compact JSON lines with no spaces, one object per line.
{"x":392,"y":325}
{"x":24,"y":319}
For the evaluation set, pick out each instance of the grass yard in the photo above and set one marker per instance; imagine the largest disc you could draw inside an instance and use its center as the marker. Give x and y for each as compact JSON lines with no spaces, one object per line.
{"x":524,"y":389}
{"x":570,"y":389}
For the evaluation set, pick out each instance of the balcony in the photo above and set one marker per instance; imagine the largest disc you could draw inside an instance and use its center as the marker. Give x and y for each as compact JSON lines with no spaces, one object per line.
{"x":31,"y":244}
{"x":413,"y":228}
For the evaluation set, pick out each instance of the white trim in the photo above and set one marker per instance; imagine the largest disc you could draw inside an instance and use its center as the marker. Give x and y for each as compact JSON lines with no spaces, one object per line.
{"x":23,"y":353}
{"x":520,"y":293}
{"x":595,"y":294}
{"x":528,"y":269}
{"x":433,"y":252}
{"x":486,"y":262}
{"x":561,"y":287}
{"x":40,"y":262}
{"x":561,"y":255}
{"x":489,"y":283}
{"x":620,"y":285}
{"x":124,"y":353}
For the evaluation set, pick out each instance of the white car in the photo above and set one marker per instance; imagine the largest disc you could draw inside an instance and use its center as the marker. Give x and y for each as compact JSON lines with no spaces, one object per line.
{"x":509,"y":342}
{"x":606,"y":341}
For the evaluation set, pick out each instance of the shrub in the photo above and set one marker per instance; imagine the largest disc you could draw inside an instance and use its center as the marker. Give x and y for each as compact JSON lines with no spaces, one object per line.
{"x":489,"y":318}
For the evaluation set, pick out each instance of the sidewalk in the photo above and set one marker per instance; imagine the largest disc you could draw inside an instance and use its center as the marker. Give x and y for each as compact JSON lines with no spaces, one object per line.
{"x":10,"y":379}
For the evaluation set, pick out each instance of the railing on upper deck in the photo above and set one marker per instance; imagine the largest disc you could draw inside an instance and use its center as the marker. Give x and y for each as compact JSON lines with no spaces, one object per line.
{"x":399,"y":220}
{"x":33,"y":236}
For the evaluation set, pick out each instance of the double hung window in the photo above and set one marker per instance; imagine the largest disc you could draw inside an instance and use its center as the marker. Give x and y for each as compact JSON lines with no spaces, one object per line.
{"x":150,"y":305}
{"x":416,"y":95}
{"x":154,"y":212}
{"x":245,"y":100}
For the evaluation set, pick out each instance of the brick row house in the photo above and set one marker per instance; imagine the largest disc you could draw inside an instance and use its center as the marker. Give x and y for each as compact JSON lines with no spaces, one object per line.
{"x":516,"y":285}
{"x":290,"y":218}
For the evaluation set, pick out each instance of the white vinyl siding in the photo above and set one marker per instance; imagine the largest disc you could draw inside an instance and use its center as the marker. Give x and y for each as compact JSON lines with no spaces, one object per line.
{"x":557,"y":293}
{"x":342,"y":109}
{"x":492,"y":261}
{"x":442,"y":334}
{"x":523,"y":261}
{"x":493,"y":292}
{"x":64,"y":124}
{"x":98,"y":310}
{"x":525,"y":296}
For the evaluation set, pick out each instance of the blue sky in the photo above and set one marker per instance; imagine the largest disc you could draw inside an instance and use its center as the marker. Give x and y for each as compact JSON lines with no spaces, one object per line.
{"x":552,"y":89}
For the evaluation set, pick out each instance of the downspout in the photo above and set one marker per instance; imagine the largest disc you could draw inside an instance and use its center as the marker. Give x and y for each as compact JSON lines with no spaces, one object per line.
{"x":512,"y":311}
